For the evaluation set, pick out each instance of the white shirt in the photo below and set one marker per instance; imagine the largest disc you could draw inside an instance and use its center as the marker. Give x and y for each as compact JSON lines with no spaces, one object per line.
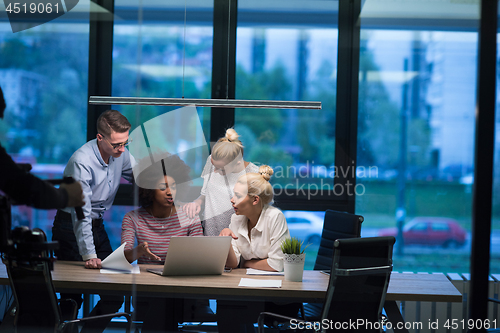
{"x":266,"y":237}
{"x":218,"y":191}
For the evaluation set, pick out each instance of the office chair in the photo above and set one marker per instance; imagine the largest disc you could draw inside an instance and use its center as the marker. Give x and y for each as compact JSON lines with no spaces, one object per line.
{"x":336,"y":225}
{"x":28,"y":267}
{"x":360,"y":273}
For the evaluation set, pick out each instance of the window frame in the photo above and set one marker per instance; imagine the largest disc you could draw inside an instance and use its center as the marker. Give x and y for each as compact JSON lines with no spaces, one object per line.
{"x":100,"y":50}
{"x":101,"y":37}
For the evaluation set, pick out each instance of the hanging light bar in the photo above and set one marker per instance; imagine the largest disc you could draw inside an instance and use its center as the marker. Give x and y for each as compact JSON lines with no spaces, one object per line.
{"x":210,"y":103}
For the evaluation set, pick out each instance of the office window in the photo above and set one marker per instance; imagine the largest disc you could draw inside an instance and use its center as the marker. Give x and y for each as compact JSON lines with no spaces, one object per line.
{"x":416,"y":130}
{"x":288,"y":51}
{"x":308,"y":227}
{"x":43,"y":74}
{"x":495,"y":211}
{"x":161,"y":50}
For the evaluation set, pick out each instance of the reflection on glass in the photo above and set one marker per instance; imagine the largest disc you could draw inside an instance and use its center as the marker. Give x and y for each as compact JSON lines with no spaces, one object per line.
{"x":495,"y":211}
{"x":416,"y":129}
{"x":43,"y":75}
{"x":307,"y":226}
{"x":289,"y":52}
{"x":157,"y":54}
{"x":178,"y":132}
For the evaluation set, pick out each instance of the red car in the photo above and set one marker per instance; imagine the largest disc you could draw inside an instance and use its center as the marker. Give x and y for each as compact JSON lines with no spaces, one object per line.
{"x":422,"y":230}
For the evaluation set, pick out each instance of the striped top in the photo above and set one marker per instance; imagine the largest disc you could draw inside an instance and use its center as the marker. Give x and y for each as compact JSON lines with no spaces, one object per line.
{"x":141,"y":226}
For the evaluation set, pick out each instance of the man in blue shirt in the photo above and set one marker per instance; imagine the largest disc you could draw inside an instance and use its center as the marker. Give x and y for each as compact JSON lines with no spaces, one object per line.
{"x":98,"y":165}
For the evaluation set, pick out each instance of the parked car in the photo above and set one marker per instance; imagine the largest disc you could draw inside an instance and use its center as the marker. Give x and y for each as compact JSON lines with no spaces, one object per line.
{"x":423,"y":230}
{"x":305,"y":225}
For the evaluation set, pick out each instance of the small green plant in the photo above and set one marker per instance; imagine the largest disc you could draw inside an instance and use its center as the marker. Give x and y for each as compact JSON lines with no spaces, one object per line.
{"x":293,"y":246}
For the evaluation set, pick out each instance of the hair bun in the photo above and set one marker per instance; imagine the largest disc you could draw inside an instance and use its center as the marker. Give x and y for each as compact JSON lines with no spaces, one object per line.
{"x":266,"y":172}
{"x":231,"y":135}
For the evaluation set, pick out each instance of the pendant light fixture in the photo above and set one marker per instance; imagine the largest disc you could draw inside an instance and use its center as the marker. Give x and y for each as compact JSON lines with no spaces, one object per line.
{"x":215,"y":103}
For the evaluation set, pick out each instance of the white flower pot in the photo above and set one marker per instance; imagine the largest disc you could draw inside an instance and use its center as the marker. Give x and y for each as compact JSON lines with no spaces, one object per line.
{"x":294,"y":266}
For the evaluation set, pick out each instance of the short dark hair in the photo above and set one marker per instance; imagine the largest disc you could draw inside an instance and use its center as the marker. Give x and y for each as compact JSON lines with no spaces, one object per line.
{"x":172,"y":166}
{"x":112,"y":120}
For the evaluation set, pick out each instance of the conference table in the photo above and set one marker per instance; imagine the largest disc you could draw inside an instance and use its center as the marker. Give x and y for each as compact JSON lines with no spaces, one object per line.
{"x":71,"y":276}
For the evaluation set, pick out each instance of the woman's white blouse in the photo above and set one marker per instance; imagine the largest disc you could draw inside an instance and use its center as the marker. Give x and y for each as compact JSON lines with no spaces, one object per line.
{"x":266,"y":237}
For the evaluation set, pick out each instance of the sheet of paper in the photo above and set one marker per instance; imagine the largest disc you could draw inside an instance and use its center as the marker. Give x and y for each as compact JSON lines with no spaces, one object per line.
{"x":253,"y":271}
{"x":135,"y":270}
{"x":116,"y":261}
{"x":245,"y":282}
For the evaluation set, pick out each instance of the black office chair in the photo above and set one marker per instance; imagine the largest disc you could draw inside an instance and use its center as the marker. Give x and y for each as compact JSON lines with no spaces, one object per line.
{"x":360,"y":273}
{"x":336,"y":225}
{"x":37,"y":308}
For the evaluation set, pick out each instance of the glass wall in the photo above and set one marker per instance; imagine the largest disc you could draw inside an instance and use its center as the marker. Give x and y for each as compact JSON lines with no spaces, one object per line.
{"x":416,"y":130}
{"x":288,"y":51}
{"x":495,"y":216}
{"x":415,"y":140}
{"x":43,"y":74}
{"x":416,"y":104}
{"x":288,"y":59}
{"x":163,"y":50}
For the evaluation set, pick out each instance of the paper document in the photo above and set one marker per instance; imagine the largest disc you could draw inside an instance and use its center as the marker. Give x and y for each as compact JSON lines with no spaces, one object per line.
{"x":245,"y":282}
{"x":135,"y":270}
{"x":117,"y":263}
{"x":253,"y":271}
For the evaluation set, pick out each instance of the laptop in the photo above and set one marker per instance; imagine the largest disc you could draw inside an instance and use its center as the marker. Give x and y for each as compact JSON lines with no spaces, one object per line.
{"x":195,"y":255}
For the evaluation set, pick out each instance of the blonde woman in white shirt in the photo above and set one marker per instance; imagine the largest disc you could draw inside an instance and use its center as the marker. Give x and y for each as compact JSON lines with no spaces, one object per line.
{"x":257,"y":229}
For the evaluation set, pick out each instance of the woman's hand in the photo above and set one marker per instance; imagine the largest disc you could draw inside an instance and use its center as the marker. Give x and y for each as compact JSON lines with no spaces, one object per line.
{"x":143,"y":250}
{"x":260,"y":264}
{"x":192,"y":209}
{"x":228,"y":232}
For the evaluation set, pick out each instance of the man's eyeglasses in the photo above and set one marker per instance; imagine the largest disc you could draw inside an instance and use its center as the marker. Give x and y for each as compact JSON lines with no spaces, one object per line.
{"x":117,"y":145}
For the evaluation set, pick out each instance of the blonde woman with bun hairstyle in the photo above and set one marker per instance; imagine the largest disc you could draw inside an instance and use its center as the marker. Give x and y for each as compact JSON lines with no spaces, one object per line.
{"x":257,"y":229}
{"x":222,"y":169}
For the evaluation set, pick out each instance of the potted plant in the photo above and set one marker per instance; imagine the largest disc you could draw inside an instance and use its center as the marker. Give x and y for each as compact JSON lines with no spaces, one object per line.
{"x":293,"y":258}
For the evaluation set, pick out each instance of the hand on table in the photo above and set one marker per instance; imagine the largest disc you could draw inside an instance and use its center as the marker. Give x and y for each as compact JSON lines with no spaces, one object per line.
{"x":228,"y":232}
{"x":93,"y":263}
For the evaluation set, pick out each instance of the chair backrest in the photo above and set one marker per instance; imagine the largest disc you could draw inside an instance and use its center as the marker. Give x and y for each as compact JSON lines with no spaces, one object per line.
{"x":359,"y":278}
{"x":336,"y":225}
{"x":28,"y":267}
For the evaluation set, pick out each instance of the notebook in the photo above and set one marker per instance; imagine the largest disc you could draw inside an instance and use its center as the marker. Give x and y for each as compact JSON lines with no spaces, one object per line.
{"x":196,"y":255}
